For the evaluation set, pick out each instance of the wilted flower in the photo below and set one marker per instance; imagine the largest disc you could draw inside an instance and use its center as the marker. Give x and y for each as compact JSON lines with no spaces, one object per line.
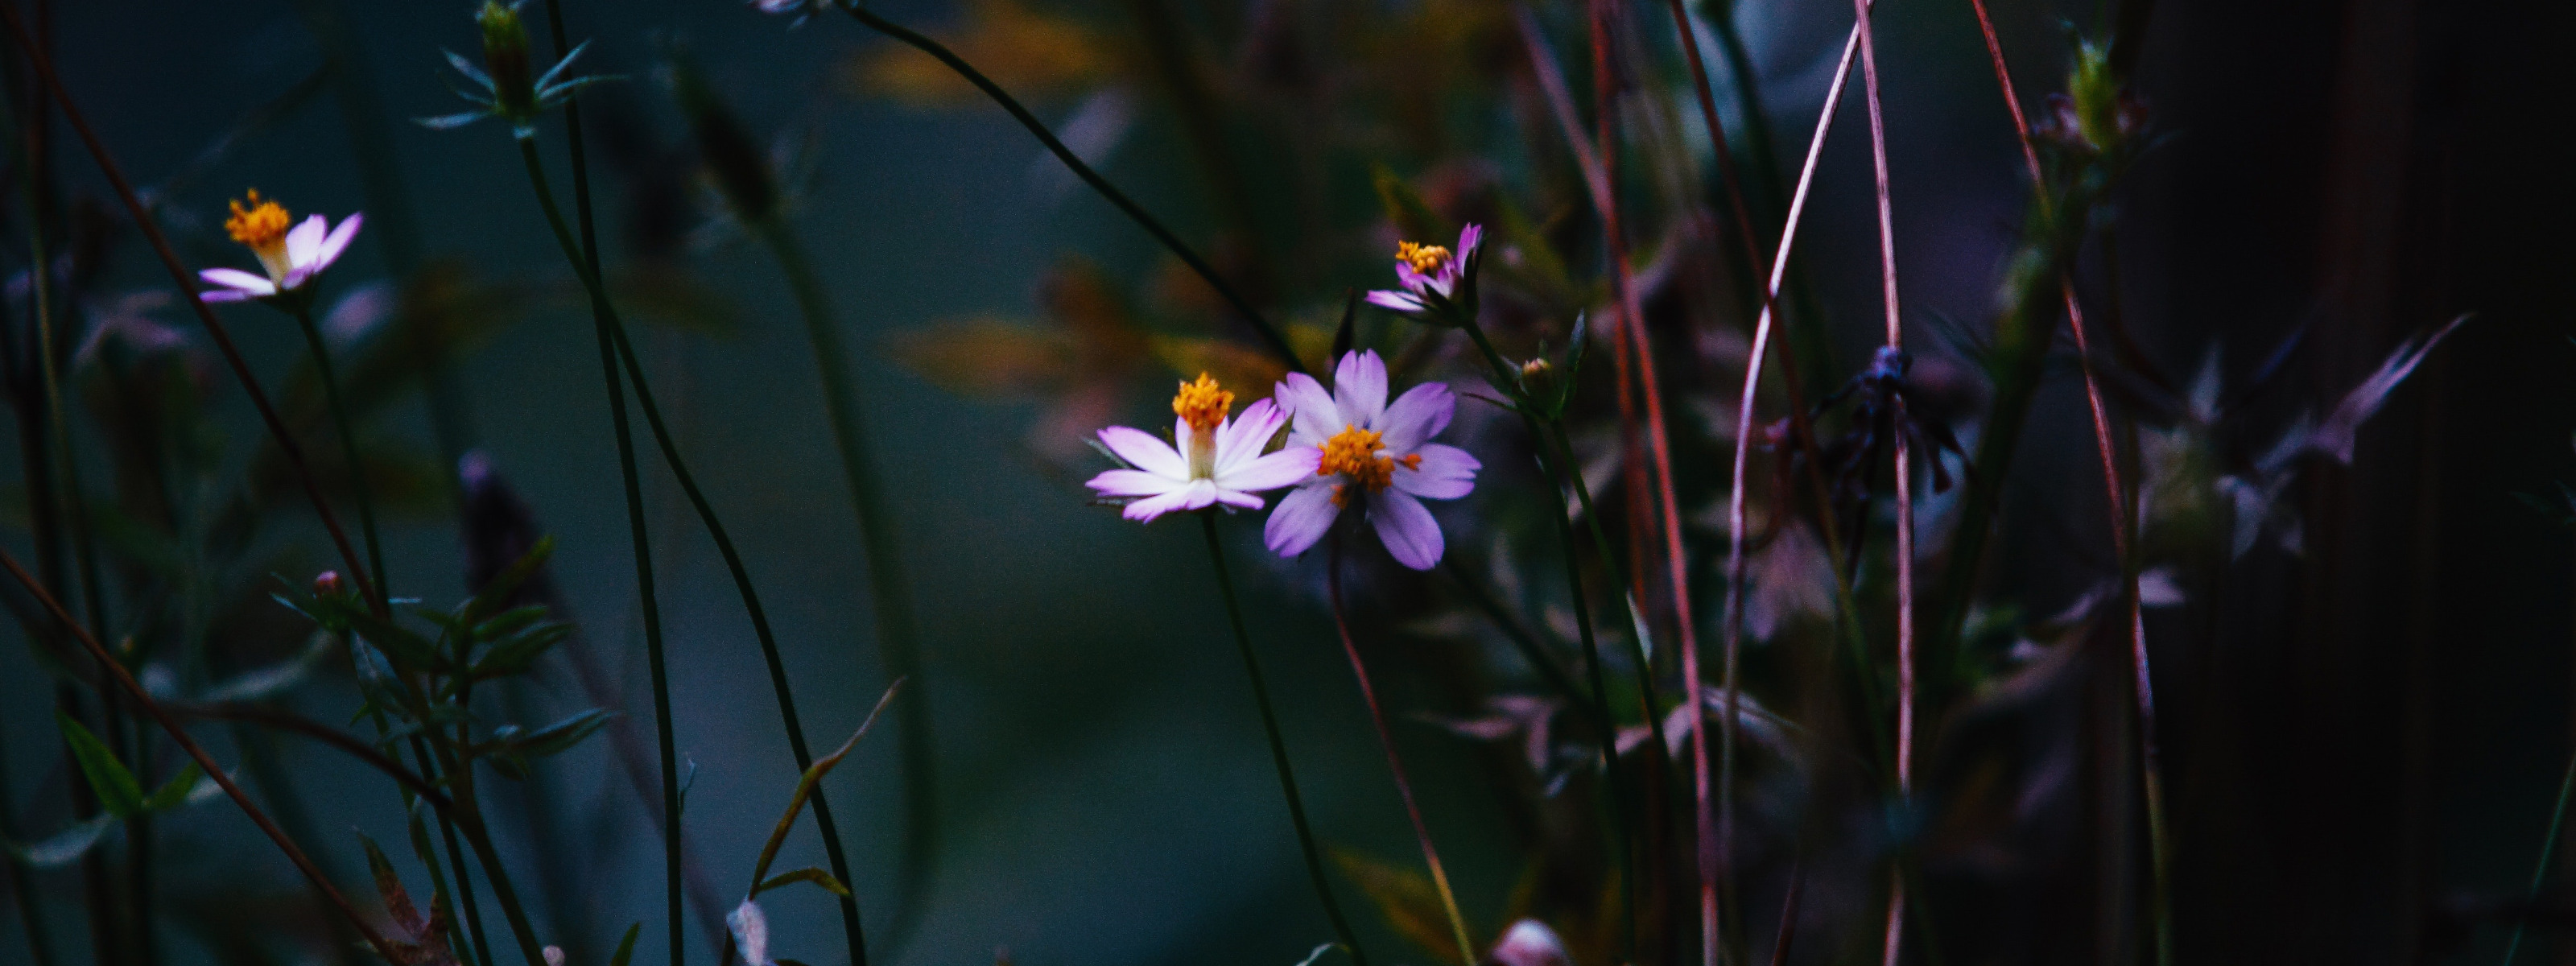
{"x":508,"y":92}
{"x":1380,"y":457}
{"x":1218,"y":460}
{"x":1431,"y":275}
{"x":291,"y":256}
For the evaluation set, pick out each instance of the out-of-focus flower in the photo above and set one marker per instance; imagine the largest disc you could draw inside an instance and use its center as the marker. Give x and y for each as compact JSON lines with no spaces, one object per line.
{"x":1218,"y":460}
{"x":1529,"y":943}
{"x":1431,"y":276}
{"x":290,"y":255}
{"x":508,"y":91}
{"x":750,"y":933}
{"x":1030,"y":52}
{"x":1373,"y":454}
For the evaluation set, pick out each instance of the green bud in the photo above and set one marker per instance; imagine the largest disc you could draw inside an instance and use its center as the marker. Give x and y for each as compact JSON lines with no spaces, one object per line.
{"x":505,"y":55}
{"x":2099,"y":107}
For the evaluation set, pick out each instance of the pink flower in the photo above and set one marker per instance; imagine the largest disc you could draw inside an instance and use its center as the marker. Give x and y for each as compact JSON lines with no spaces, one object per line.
{"x":291,"y":256}
{"x":1218,"y":460}
{"x":1430,"y":274}
{"x":1369,"y":453}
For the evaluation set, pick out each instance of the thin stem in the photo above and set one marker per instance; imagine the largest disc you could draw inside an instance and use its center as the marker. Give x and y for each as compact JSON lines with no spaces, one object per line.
{"x":2548,"y":855}
{"x":187,"y":284}
{"x":1278,"y":744}
{"x":303,"y":312}
{"x":584,"y":263}
{"x":222,"y":779}
{"x":2116,"y":505}
{"x":898,"y":632}
{"x":1135,"y":212}
{"x":1394,"y":762}
{"x":289,"y":722}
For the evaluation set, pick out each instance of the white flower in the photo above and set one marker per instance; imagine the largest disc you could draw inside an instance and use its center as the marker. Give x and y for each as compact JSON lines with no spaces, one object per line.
{"x":1369,"y":452}
{"x":291,"y":256}
{"x":1219,"y":460}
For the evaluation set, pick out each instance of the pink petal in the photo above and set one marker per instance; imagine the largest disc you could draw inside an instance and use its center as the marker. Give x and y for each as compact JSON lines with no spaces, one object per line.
{"x":257,"y":285}
{"x":1421,"y":413}
{"x":1145,"y":510}
{"x":1359,"y":388}
{"x":305,"y":240}
{"x":217,"y":295}
{"x":1469,"y":239}
{"x":337,"y":242}
{"x":1239,"y":442}
{"x":1407,"y":529}
{"x":1398,"y":301}
{"x":1133,"y":483}
{"x":1141,"y":450}
{"x":1237,"y":499}
{"x":1445,"y":473}
{"x":1301,"y":519}
{"x":1406,"y":276}
{"x":1314,"y":417}
{"x":1284,"y":468}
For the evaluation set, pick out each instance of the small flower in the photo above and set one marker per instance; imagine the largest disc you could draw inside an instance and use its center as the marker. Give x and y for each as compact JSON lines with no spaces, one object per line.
{"x":508,"y":92}
{"x":1380,"y":457}
{"x":750,"y":927}
{"x":1219,"y":460}
{"x":291,"y":256}
{"x":1529,"y":943}
{"x":328,"y":584}
{"x":1431,"y":275}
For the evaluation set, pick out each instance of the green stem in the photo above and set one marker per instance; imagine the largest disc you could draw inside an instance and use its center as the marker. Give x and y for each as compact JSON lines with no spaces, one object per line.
{"x":585,"y":264}
{"x":1520,"y":637}
{"x":348,"y":434}
{"x":1269,"y":334}
{"x":1278,"y":744}
{"x":2548,"y":855}
{"x":898,"y":632}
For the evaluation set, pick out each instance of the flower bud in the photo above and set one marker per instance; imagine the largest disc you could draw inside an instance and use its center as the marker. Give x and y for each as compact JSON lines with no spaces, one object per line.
{"x":505,"y":56}
{"x":328,"y":584}
{"x":1529,"y":943}
{"x":1537,"y":375}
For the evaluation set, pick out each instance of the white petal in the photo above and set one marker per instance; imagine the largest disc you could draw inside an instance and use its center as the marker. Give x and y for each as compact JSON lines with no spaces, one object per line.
{"x":1407,"y":529}
{"x":1283,"y":468}
{"x":234,"y":278}
{"x":1398,"y":301}
{"x":1359,"y":388}
{"x":1301,"y":519}
{"x":1145,"y":510}
{"x":1237,"y":498}
{"x":1312,"y":416}
{"x":1141,"y":450}
{"x":337,"y":242}
{"x":1445,"y":473}
{"x":1200,"y":496}
{"x":1239,"y":442}
{"x":1133,"y":483}
{"x":305,"y":241}
{"x":1421,"y":413}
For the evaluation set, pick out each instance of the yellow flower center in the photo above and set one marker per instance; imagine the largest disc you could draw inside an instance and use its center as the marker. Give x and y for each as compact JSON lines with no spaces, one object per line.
{"x":261,"y":224}
{"x":1355,"y":453}
{"x":1202,"y":404}
{"x":1425,"y":259}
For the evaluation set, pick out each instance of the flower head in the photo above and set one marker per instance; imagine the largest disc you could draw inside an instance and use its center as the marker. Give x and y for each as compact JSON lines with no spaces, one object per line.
{"x":1370,"y":454}
{"x":508,"y":92}
{"x":1217,"y":460}
{"x":290,"y":256}
{"x":1431,"y":276}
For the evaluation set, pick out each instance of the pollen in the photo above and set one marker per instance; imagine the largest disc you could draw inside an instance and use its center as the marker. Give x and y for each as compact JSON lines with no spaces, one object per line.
{"x":1202,"y":404}
{"x":1424,"y":259}
{"x":260,"y":224}
{"x":1355,"y":453}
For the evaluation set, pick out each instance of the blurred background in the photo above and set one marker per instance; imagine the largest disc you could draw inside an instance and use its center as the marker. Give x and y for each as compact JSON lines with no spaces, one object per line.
{"x":2361,"y":743}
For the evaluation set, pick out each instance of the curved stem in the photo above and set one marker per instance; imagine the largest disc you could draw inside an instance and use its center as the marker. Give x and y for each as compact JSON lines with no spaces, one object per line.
{"x":348,"y":434}
{"x":1135,"y":212}
{"x":1394,"y":762}
{"x":1278,"y":744}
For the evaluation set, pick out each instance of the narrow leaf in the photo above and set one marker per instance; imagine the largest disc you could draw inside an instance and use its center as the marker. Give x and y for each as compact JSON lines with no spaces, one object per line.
{"x":807,"y":874}
{"x":181,"y":788}
{"x":118,"y":792}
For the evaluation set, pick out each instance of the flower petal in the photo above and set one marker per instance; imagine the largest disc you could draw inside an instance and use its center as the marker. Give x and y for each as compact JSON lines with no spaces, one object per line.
{"x":219,"y":295}
{"x":1313,"y":416}
{"x":1398,"y":301}
{"x":1239,"y":441}
{"x":1133,"y":483}
{"x":1145,"y":510}
{"x":337,"y":242}
{"x":1141,"y":450}
{"x":1407,"y":529}
{"x":305,"y":240}
{"x":1469,"y":238}
{"x":1359,"y":388}
{"x":1301,"y":519}
{"x":1237,"y":498}
{"x":1286,"y":467}
{"x":234,"y":278}
{"x":1445,"y":473}
{"x":1421,"y":413}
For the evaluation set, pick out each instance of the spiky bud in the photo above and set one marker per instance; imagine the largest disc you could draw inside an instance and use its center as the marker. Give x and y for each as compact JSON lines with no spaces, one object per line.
{"x":505,"y":56}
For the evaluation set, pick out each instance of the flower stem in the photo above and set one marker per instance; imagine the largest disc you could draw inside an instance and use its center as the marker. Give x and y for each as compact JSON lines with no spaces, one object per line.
{"x":348,"y":444}
{"x":2548,"y":855}
{"x":585,"y":264}
{"x":1394,"y":763}
{"x":898,"y":632}
{"x":1278,"y":744}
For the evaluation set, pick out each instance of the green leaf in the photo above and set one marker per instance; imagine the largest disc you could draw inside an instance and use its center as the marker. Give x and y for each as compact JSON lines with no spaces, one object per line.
{"x":561,"y":735}
{"x":814,"y":776}
{"x":118,"y":793}
{"x":401,"y":644}
{"x":179,"y":790}
{"x":520,"y":652}
{"x":626,"y":946}
{"x":807,"y":874}
{"x":64,"y":847}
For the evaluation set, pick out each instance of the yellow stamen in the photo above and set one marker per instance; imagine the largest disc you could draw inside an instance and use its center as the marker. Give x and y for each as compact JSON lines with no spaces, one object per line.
{"x":261,"y":225}
{"x":1425,"y":259}
{"x":1353,"y":453}
{"x":1202,"y":404}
